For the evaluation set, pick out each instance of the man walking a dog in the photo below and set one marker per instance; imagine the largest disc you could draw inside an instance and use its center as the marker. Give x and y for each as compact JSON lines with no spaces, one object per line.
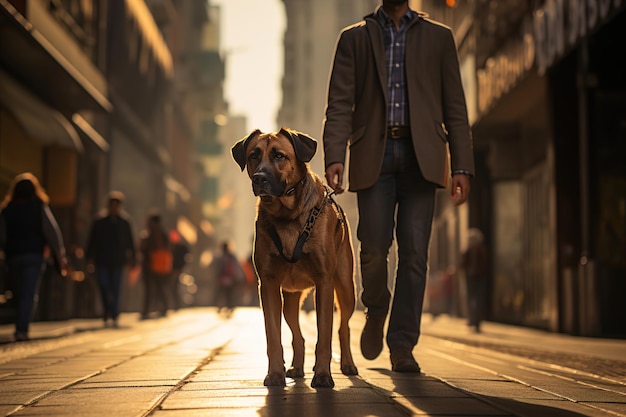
{"x":395,"y":98}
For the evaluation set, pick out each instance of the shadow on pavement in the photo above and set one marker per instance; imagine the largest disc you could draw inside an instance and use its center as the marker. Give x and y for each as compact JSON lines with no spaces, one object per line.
{"x":432,"y":396}
{"x":352,"y":397}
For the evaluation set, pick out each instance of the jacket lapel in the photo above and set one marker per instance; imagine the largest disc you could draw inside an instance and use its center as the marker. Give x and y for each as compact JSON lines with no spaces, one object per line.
{"x":413,"y":32}
{"x":378,"y":50}
{"x":415,"y":55}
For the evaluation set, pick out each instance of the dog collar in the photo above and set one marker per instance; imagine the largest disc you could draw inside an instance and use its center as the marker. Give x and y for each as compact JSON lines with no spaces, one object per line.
{"x":306,"y":232}
{"x":293,"y":189}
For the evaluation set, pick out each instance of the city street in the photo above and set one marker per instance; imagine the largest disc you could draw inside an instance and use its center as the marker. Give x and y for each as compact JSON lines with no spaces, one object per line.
{"x":195,"y":362}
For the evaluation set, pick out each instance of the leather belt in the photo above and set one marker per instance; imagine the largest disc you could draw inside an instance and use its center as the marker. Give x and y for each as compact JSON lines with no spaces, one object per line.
{"x":399,"y":132}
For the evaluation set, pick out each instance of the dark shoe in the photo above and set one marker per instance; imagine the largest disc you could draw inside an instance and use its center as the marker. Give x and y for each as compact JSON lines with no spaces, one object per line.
{"x":372,"y":337}
{"x":21,"y":336}
{"x":402,"y":360}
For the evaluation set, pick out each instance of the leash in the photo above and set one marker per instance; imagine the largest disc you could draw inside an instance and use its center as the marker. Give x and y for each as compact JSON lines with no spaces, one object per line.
{"x":314,"y":213}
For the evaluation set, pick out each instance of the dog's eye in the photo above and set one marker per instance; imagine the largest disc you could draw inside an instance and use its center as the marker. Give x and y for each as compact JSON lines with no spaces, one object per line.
{"x":279,"y":156}
{"x":254,"y":154}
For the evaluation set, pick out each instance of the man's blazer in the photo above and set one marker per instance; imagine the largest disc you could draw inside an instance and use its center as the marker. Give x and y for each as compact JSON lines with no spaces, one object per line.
{"x":356,"y":113}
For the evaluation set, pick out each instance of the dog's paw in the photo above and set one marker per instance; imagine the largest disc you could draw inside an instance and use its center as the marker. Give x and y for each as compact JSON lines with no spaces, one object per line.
{"x":274,"y":379}
{"x":295,"y":373}
{"x":322,"y":381}
{"x":349,"y":370}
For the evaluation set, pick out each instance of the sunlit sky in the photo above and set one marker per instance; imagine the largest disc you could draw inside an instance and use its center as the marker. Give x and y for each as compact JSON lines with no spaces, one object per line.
{"x":251,"y":40}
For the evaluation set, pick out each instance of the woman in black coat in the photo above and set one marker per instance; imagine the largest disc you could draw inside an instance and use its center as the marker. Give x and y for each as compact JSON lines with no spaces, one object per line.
{"x":29,"y":226}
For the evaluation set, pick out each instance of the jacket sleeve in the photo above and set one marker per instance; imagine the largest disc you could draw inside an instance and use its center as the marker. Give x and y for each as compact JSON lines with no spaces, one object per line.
{"x":455,"y":109}
{"x":52,"y":234}
{"x":340,"y":102}
{"x":132,"y":250}
{"x":90,"y":250}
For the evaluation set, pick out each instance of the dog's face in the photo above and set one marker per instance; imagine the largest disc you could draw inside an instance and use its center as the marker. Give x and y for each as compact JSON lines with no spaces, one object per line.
{"x":275,"y":161}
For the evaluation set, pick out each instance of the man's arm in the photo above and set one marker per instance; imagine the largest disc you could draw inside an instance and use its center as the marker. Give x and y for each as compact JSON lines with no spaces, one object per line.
{"x":460,"y":188}
{"x":334,"y":177}
{"x":456,"y":120}
{"x":338,"y":120}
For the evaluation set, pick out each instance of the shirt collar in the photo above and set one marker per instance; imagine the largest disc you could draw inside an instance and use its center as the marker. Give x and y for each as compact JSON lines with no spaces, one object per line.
{"x":385,"y":20}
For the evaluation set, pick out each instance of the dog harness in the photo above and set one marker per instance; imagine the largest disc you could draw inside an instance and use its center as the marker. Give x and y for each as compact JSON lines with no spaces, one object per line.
{"x":314,"y":213}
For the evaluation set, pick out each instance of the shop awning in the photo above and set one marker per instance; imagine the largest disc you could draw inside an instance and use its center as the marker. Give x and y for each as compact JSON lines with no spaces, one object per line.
{"x":39,"y":120}
{"x":89,"y":132}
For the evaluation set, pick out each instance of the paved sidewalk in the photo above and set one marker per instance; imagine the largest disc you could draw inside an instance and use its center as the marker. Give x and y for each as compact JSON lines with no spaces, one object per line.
{"x":524,"y":338}
{"x":197,"y":363}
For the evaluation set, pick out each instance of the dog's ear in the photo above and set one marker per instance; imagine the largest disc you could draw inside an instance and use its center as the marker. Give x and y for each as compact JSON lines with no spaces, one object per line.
{"x":239,"y":149}
{"x":304,"y":145}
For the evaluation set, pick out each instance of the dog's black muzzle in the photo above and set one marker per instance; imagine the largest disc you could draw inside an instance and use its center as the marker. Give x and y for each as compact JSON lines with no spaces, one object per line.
{"x":265,"y":184}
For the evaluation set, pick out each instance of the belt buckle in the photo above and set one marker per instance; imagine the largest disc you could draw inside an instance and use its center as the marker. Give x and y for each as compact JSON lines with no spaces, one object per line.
{"x":394,"y":132}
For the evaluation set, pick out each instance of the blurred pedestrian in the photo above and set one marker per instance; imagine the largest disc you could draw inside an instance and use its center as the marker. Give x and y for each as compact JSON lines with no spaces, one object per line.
{"x":251,"y":289}
{"x":30,"y":227}
{"x":111,"y":248}
{"x":474,"y":262}
{"x":440,"y":290}
{"x":156,"y":266}
{"x":180,"y":254}
{"x":396,"y":100}
{"x":229,"y":275}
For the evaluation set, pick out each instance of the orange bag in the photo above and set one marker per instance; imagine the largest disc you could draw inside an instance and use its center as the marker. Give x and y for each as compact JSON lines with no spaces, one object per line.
{"x":161,"y":261}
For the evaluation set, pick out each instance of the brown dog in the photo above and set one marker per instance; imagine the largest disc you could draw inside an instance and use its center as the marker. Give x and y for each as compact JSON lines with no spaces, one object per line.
{"x":301,"y":241}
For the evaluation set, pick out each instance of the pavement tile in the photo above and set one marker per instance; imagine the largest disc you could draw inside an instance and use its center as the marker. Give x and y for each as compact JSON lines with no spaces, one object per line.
{"x":8,"y":409}
{"x":41,"y":383}
{"x":105,"y":396}
{"x":145,"y":371}
{"x":194,"y":385}
{"x":583,"y":393}
{"x":454,"y":370}
{"x":509,"y":389}
{"x":93,"y":409}
{"x":25,"y":364}
{"x":91,"y":383}
{"x":451,"y":406}
{"x":548,"y":408}
{"x":613,"y":408}
{"x":225,"y":374}
{"x":20,"y":397}
{"x":418,"y":388}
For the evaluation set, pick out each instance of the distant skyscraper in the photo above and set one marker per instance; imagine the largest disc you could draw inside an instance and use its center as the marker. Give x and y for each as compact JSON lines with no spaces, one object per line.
{"x":310,"y":36}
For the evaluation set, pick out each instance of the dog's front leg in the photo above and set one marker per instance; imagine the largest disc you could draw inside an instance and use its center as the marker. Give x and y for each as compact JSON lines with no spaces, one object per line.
{"x":324,"y":302}
{"x":292,"y":314}
{"x":272,"y":307}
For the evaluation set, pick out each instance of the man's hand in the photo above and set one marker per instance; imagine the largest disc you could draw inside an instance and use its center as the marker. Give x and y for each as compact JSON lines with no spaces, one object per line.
{"x":460,"y":188}
{"x":334,"y":177}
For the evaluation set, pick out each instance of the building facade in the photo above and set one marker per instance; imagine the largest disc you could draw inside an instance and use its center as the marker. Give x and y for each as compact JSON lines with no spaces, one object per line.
{"x":549,"y":189}
{"x":54,"y":104}
{"x":104,"y":95}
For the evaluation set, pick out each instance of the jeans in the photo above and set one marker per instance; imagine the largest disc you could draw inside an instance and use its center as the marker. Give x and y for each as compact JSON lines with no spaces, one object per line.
{"x":25,"y":274}
{"x":110,"y":282}
{"x":402,"y":200}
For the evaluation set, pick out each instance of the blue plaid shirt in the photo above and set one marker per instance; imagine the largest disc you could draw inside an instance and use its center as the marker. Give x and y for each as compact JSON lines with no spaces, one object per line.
{"x":397,"y":104}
